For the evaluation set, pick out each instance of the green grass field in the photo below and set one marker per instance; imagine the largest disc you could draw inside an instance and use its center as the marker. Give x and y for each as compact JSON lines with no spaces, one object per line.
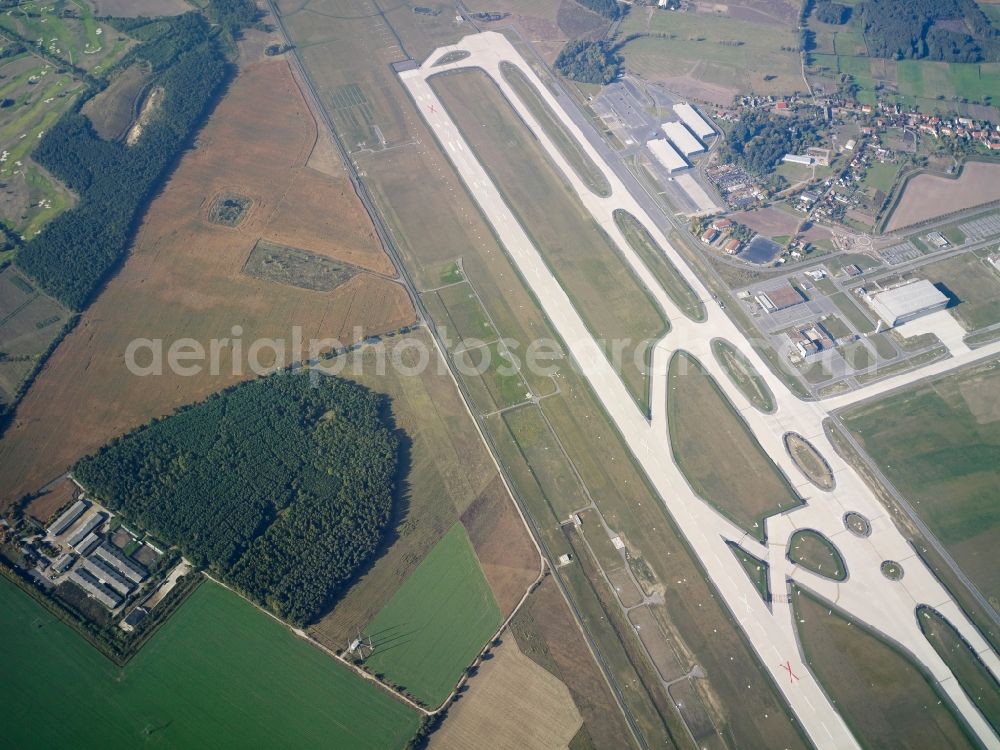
{"x":882,"y":696}
{"x":219,"y":673}
{"x":939,"y":444}
{"x":582,"y":164}
{"x":727,"y":52}
{"x":815,"y":552}
{"x":676,"y":287}
{"x":746,"y":487}
{"x":743,"y":374}
{"x":436,"y":623}
{"x":976,"y":285}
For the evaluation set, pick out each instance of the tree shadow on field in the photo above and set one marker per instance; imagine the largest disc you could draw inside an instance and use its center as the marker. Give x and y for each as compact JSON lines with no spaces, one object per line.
{"x":401,"y":497}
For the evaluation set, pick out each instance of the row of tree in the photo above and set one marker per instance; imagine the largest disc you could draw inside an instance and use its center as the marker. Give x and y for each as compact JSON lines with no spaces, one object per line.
{"x":608,"y":8}
{"x":282,"y":486}
{"x":77,"y":250}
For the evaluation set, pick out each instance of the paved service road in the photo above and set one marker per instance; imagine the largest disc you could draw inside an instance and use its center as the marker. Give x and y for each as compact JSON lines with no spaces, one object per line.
{"x":887,"y":606}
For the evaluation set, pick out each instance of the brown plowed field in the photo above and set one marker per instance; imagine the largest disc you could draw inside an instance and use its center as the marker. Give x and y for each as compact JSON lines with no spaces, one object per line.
{"x":183,"y":279}
{"x":509,"y":560}
{"x":928,"y":196}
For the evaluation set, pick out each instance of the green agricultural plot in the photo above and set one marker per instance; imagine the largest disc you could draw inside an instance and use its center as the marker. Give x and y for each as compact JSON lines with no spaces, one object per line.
{"x":743,"y":374}
{"x":437,"y":622}
{"x":939,"y":444}
{"x":612,"y":302}
{"x":582,"y":164}
{"x":218,"y":673}
{"x":882,"y":696}
{"x":747,"y":486}
{"x":656,"y":260}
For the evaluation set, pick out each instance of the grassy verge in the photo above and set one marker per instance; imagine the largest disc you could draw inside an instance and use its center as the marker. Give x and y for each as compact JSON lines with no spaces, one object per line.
{"x":815,"y":552}
{"x":755,"y":568}
{"x":743,"y":374}
{"x":656,"y":260}
{"x":904,"y":710}
{"x":977,"y":681}
{"x":747,"y":486}
{"x":582,"y":164}
{"x":613,"y":303}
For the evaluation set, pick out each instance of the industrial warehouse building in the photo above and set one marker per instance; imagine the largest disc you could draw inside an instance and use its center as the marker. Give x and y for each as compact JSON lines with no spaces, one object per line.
{"x":666,"y":154}
{"x":690,"y":117}
{"x":681,"y":137}
{"x":904,"y":303}
{"x":66,"y":519}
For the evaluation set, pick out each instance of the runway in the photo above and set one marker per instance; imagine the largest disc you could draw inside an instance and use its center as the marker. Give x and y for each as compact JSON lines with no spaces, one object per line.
{"x":887,"y":606}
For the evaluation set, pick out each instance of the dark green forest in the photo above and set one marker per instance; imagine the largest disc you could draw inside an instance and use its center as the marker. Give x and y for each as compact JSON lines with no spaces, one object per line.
{"x":77,"y":250}
{"x":607,"y":8}
{"x":281,"y":486}
{"x":589,"y":62}
{"x":759,"y":140}
{"x":946,"y":30}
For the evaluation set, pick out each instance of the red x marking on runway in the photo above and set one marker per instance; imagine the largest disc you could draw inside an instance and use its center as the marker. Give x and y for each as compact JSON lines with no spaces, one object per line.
{"x":432,"y":109}
{"x":788,"y":667}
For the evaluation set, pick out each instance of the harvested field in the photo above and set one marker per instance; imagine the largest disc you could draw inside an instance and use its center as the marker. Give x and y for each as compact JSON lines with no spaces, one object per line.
{"x":111,"y":110}
{"x":511,"y":703}
{"x":44,"y":507}
{"x":928,"y":196}
{"x":182,"y":279}
{"x":546,"y":632}
{"x":748,"y":486}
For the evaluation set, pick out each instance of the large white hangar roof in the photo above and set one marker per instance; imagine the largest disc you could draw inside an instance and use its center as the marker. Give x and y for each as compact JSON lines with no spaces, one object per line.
{"x":666,"y":154}
{"x":693,"y":119}
{"x":905,"y":303}
{"x":681,"y":137}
